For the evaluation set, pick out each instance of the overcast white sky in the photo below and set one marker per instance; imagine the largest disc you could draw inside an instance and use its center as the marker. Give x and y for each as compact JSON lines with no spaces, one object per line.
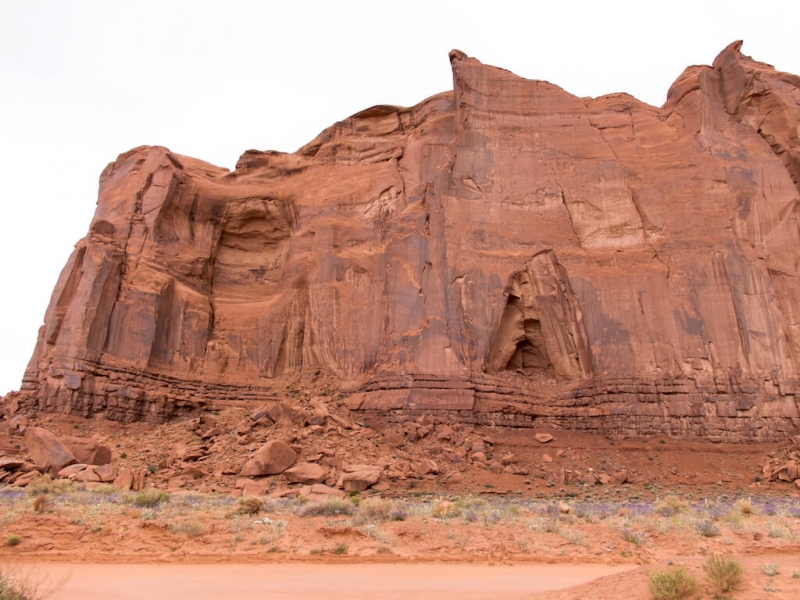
{"x":85,"y":81}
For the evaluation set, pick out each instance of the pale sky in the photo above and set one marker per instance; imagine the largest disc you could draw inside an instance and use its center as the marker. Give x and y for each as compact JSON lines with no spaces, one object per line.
{"x":85,"y":81}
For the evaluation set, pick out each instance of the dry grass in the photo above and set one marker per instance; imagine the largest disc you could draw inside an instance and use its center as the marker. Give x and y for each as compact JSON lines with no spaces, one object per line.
{"x":445,"y":509}
{"x":331,"y":507}
{"x":671,"y":505}
{"x":673,"y":584}
{"x":151,"y":497}
{"x":47,"y":485}
{"x":249,"y":506}
{"x":745,"y":507}
{"x":190,"y":529}
{"x":41,"y":502}
{"x":724,"y":572}
{"x":13,"y":587}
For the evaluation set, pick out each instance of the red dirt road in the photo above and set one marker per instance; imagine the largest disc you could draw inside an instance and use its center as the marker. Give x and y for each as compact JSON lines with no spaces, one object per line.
{"x":318,"y":581}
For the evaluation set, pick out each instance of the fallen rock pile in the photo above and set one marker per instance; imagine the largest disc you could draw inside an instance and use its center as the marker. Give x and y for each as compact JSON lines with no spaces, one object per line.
{"x":63,"y":457}
{"x":307,"y":445}
{"x":784,"y":464}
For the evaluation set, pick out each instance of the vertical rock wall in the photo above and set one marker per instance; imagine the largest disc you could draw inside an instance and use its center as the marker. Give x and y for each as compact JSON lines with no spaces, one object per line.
{"x":593,"y":263}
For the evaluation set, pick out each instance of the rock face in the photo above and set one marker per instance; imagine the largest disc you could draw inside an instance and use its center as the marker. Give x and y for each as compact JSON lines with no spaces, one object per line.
{"x":506,"y":252}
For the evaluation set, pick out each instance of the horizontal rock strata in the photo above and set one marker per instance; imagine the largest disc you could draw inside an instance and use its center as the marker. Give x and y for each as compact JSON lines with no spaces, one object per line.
{"x":506,"y":253}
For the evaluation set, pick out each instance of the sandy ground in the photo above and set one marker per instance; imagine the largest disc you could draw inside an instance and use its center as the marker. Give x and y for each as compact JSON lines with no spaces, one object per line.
{"x":279,"y":581}
{"x":632,"y":584}
{"x":420,"y":581}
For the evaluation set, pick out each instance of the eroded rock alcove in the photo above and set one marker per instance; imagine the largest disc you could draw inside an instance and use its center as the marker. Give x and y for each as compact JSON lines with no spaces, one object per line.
{"x":541,"y":331}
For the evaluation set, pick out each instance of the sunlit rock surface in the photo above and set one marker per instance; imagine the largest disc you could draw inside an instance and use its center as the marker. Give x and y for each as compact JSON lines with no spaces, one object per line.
{"x":506,"y":252}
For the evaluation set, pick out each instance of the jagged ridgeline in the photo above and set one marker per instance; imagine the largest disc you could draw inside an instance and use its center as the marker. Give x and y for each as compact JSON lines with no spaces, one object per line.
{"x":503,"y":253}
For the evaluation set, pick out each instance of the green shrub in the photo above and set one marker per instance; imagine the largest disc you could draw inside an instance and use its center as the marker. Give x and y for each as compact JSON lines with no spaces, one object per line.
{"x":672,"y":584}
{"x":13,"y":540}
{"x":151,"y":497}
{"x":724,"y":572}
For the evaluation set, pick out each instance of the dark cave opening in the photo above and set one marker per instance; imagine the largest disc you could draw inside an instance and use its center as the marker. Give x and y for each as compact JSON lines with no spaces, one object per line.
{"x":531,"y":354}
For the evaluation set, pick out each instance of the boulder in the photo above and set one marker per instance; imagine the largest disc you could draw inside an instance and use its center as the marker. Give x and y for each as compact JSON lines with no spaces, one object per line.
{"x":87,"y":475}
{"x":307,"y":473}
{"x":124,"y":479}
{"x":286,"y":412}
{"x":251,"y":487}
{"x":71,"y":471}
{"x":424,"y":466}
{"x":190,"y":452}
{"x":10,"y":464}
{"x":48,"y":453}
{"x":619,"y":478}
{"x":25,"y":478}
{"x":359,"y":477}
{"x":14,"y":426}
{"x":213,"y":432}
{"x":87,"y":450}
{"x":394,"y":440}
{"x":261,"y":412}
{"x":508,"y":459}
{"x":320,"y":492}
{"x":319,"y":417}
{"x":106,"y":473}
{"x":208,"y":421}
{"x":478,"y":457}
{"x":138,"y":479}
{"x":271,"y":459}
{"x":191,"y":472}
{"x":445,"y":433}
{"x":543,"y":438}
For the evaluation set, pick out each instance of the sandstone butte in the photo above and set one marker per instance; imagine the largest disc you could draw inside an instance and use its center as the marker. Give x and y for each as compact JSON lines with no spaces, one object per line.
{"x":504,"y":253}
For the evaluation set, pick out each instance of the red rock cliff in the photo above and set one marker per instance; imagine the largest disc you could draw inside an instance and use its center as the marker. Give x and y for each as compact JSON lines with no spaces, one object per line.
{"x":506,"y":251}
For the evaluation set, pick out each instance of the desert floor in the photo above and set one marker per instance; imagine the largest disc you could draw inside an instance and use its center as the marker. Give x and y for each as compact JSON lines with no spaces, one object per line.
{"x":465,"y":530}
